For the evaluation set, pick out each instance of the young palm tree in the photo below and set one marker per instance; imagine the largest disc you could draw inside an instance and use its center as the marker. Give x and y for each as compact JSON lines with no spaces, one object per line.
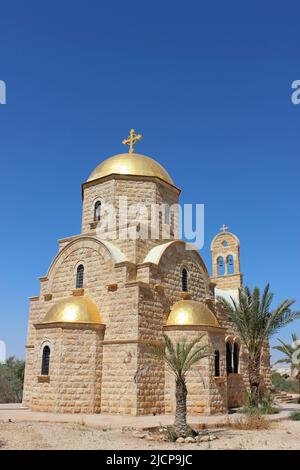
{"x":292,"y":355}
{"x":179,"y":358}
{"x":256,"y":322}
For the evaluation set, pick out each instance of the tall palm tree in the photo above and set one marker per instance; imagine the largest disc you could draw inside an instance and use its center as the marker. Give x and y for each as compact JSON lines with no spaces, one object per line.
{"x":256,"y":322}
{"x":292,"y":355}
{"x":179,"y":358}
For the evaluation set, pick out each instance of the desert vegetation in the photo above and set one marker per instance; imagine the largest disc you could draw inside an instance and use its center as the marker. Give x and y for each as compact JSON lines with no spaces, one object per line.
{"x":11,"y":380}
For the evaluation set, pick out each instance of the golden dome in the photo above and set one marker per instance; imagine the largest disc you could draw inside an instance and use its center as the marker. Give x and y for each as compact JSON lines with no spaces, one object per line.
{"x":73,"y":310}
{"x":130,"y":164}
{"x":191,"y":312}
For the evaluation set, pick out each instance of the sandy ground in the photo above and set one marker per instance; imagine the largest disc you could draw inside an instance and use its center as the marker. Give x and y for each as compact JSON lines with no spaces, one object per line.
{"x":29,"y":430}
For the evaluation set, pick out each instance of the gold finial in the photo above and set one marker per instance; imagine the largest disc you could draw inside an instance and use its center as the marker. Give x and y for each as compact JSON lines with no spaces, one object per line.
{"x":132,"y":140}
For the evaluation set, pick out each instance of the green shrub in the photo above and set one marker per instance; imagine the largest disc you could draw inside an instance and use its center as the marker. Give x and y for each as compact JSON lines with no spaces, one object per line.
{"x":11,"y":380}
{"x":295,"y":416}
{"x":271,"y":410}
{"x":266,"y":400}
{"x":170,"y":433}
{"x":266,"y":406}
{"x":250,"y":410}
{"x":282,"y":384}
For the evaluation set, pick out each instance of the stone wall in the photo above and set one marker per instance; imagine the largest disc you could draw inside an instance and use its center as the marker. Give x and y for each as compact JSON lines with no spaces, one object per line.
{"x":138,"y":190}
{"x":119,"y":391}
{"x":207,"y":394}
{"x":74,"y":381}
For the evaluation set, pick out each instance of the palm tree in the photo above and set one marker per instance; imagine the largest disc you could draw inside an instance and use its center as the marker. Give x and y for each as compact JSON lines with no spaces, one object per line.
{"x":291,"y":353}
{"x":179,"y":358}
{"x":256,"y":322}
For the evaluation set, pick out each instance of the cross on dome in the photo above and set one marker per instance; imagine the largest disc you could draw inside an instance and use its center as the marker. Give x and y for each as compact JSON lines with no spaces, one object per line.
{"x":132,"y":140}
{"x":224,"y":228}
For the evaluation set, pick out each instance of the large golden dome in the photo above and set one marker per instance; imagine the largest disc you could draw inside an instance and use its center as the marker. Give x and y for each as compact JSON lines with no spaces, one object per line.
{"x":191,"y":312}
{"x":130,"y":164}
{"x":73,"y":310}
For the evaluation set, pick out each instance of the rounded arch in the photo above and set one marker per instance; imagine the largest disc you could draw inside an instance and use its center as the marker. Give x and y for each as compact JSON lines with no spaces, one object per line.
{"x":46,"y":342}
{"x":236,"y":339}
{"x":156,"y":254}
{"x":110,"y":250}
{"x":96,"y":208}
{"x":222,"y":235}
{"x":220,"y":266}
{"x":230,"y":263}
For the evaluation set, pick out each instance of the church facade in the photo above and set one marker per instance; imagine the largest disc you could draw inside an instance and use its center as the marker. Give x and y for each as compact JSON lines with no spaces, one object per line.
{"x":104,"y":300}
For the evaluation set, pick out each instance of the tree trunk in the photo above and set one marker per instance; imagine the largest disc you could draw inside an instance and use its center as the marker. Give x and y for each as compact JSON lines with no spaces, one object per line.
{"x":180,"y":416}
{"x":254,"y":379}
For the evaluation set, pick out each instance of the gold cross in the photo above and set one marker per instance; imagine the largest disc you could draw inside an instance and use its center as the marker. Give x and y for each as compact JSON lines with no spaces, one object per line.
{"x":132,"y":140}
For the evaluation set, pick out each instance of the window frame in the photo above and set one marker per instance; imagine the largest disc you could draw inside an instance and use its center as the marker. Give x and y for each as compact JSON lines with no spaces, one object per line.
{"x":219,"y":258}
{"x":79,"y":282}
{"x":45,"y":365}
{"x":229,"y":365}
{"x":217,"y":363}
{"x":184,"y":278}
{"x":236,"y":357}
{"x":97,"y":204}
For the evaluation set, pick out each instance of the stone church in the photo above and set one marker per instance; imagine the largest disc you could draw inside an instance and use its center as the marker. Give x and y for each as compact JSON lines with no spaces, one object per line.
{"x":104,"y":300}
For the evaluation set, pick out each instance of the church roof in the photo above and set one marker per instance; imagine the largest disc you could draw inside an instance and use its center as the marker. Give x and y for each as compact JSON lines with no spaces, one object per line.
{"x":191,"y":312}
{"x":73,"y":310}
{"x":130,"y":164}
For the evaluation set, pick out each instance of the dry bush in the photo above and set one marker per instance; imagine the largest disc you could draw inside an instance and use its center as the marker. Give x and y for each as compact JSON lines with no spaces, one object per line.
{"x":249,"y":423}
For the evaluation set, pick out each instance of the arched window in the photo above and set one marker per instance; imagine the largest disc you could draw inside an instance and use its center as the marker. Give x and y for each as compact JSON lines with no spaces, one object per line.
{"x":221,"y":267}
{"x":79,"y":276}
{"x":236,"y":358}
{"x":217,"y":363}
{"x":97,"y":211}
{"x":45,"y":360}
{"x":230,"y":264}
{"x":228,"y":357}
{"x":184,"y":280}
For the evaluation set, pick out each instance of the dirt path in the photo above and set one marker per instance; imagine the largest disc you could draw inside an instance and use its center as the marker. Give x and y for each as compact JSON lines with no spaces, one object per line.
{"x":34,"y":435}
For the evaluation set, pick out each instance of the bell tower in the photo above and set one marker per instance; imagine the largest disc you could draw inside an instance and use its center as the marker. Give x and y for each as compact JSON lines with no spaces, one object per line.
{"x":225,"y":250}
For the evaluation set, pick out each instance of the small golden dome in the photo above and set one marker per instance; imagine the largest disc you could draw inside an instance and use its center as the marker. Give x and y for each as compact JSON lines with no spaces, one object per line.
{"x":191,"y":312}
{"x":73,"y":310}
{"x":130,"y":164}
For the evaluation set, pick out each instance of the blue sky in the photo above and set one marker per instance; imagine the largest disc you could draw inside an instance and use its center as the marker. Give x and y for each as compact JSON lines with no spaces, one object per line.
{"x":209,"y":86}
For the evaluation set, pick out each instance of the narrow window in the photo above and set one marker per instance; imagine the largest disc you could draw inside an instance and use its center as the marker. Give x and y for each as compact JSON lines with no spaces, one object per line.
{"x":167,"y":214}
{"x":221,"y":267}
{"x":46,"y":360}
{"x":184,"y":280}
{"x":228,"y":357}
{"x":236,"y":358}
{"x":217,"y":363}
{"x":230,"y":264}
{"x":79,"y":276}
{"x":97,"y":211}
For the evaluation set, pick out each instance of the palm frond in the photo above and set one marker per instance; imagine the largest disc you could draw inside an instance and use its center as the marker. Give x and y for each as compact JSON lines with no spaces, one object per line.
{"x":180,"y":357}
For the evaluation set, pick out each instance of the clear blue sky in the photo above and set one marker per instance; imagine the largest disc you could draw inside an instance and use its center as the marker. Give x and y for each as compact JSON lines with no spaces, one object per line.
{"x":207,"y":83}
